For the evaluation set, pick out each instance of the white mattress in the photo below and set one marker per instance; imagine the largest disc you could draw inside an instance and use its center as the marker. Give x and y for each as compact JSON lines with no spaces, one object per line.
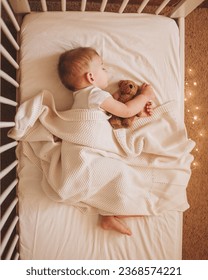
{"x":144,"y":48}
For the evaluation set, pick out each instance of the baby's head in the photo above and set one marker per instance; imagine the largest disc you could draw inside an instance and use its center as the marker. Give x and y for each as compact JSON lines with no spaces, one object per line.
{"x":81,"y":67}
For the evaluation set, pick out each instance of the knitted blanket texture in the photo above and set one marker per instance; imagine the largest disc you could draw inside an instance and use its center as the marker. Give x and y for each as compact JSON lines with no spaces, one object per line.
{"x":143,"y":170}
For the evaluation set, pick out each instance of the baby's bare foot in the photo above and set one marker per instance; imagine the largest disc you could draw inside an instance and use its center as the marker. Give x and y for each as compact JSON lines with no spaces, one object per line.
{"x":148,"y":110}
{"x":114,"y":223}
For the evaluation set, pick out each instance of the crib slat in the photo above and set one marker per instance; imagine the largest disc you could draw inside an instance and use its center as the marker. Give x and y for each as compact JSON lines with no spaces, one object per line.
{"x":20,"y":6}
{"x":6,"y":147}
{"x":7,"y":101}
{"x":8,"y":212}
{"x":16,"y":257}
{"x":8,"y":34}
{"x":162,"y":6}
{"x":9,"y":79}
{"x":6,"y":124}
{"x":5,"y":171}
{"x":11,"y":15}
{"x":83,"y":5}
{"x":63,"y":5}
{"x":7,"y":55}
{"x":103,"y":5}
{"x":8,"y":190}
{"x":12,"y":247}
{"x":142,"y":6}
{"x":44,"y":5}
{"x":8,"y":235}
{"x":123,"y":6}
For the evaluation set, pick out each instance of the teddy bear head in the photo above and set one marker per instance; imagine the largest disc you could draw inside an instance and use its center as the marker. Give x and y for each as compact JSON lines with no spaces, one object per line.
{"x":127,"y":90}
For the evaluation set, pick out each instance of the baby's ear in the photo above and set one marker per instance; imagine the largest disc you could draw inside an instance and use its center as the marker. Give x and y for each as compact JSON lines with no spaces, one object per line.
{"x":89,"y":77}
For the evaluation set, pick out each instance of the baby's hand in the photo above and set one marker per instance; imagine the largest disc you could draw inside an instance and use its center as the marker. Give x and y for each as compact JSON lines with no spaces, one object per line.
{"x":148,"y":91}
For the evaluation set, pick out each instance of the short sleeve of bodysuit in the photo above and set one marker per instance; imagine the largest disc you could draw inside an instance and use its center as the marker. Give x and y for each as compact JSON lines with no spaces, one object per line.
{"x":96,"y":98}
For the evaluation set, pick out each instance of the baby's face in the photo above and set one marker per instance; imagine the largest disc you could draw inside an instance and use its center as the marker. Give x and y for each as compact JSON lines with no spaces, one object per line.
{"x":99,"y":72}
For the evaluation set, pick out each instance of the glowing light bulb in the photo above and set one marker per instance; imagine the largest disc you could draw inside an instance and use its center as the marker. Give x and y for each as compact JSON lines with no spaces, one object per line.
{"x":195,"y":83}
{"x":195,"y":164}
{"x":195,"y":118}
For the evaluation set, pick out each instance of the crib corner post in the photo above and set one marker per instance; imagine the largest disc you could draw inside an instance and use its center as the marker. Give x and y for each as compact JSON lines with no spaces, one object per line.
{"x":181,"y":24}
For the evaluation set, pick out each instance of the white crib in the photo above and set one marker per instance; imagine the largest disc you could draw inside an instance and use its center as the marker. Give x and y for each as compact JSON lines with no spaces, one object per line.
{"x":15,"y":243}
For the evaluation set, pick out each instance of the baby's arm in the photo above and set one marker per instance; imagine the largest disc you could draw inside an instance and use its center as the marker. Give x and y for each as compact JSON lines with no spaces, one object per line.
{"x":116,"y":95}
{"x":130,"y":108}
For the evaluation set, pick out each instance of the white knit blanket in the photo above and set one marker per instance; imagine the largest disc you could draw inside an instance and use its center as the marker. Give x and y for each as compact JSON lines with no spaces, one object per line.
{"x":143,"y":170}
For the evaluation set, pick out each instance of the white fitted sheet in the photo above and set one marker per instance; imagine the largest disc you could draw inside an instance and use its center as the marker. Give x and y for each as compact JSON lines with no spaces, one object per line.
{"x":143,"y":48}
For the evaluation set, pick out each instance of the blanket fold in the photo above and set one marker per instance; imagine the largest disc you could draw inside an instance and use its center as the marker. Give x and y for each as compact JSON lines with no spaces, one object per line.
{"x":143,"y":170}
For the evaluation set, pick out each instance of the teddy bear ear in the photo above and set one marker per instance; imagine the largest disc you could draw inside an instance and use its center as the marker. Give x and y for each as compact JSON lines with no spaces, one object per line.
{"x":120,"y":82}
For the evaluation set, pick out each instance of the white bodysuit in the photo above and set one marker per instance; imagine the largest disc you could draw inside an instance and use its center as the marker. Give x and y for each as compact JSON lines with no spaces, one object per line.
{"x":89,"y":98}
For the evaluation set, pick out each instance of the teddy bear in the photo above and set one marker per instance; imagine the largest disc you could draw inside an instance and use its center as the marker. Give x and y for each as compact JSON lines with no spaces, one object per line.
{"x":127,"y":90}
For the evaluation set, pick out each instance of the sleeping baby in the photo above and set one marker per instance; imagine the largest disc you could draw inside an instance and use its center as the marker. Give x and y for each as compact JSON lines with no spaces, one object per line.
{"x":82,"y":71}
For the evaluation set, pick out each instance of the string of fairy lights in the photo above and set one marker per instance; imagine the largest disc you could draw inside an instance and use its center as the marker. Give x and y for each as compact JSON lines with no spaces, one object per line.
{"x":193,"y":113}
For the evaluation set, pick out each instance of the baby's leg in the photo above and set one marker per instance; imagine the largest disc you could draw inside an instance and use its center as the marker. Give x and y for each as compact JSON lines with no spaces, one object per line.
{"x":114,"y":223}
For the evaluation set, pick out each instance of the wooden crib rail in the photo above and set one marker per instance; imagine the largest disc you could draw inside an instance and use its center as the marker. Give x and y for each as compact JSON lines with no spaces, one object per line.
{"x":8,"y":197}
{"x":183,"y":8}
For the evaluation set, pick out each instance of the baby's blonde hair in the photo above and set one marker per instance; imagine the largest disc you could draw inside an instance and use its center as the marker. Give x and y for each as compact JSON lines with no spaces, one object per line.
{"x":73,"y":64}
